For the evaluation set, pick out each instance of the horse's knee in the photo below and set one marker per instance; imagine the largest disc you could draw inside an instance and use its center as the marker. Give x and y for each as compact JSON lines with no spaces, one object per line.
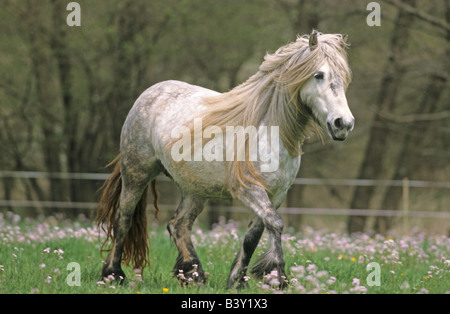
{"x":178,"y":227}
{"x":274,"y":223}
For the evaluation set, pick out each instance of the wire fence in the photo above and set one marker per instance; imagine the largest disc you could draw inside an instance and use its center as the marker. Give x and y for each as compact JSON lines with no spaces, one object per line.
{"x":405,"y":184}
{"x":299,"y":181}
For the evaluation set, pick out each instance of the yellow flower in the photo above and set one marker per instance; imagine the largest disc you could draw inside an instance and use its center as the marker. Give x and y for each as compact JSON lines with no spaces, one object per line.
{"x":353,"y":259}
{"x":165,"y":290}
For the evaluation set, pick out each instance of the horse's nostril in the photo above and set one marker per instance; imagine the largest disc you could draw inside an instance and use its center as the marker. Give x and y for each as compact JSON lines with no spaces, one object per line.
{"x":338,"y":123}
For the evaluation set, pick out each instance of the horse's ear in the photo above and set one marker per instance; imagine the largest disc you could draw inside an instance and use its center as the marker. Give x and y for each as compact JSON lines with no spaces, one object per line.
{"x":344,"y":42}
{"x":313,"y":42}
{"x":345,"y":38}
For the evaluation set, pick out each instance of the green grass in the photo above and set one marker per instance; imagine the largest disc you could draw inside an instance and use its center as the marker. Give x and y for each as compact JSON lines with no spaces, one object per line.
{"x":316,"y":262}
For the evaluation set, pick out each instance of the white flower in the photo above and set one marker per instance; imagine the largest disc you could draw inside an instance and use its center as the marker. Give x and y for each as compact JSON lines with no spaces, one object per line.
{"x":331,"y":280}
{"x":355,"y":282}
{"x":311,"y":268}
{"x":274,"y":282}
{"x":109,"y":278}
{"x":404,"y":285}
{"x":298,"y":270}
{"x":322,"y":274}
{"x":432,"y":267}
{"x":423,"y":291}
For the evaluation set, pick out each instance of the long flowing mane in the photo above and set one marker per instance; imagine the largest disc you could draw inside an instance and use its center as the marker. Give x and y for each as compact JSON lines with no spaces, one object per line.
{"x":273,"y":94}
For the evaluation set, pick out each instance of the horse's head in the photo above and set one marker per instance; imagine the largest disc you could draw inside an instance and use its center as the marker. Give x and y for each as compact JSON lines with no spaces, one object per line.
{"x":324,"y":93}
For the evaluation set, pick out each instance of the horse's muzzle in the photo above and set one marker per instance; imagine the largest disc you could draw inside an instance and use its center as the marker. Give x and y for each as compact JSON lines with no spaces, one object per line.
{"x":339,"y":128}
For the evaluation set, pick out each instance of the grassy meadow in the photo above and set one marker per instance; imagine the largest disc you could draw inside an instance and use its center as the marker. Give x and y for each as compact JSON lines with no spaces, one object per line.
{"x":37,"y":256}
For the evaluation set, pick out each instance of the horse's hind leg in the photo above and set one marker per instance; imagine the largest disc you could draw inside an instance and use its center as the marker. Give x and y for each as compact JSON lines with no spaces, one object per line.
{"x":128,"y":200}
{"x":130,"y":224}
{"x":188,"y":266}
{"x":240,"y":264}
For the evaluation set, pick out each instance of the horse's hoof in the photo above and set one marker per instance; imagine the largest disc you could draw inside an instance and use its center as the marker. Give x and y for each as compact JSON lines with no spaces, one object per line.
{"x":116,"y":275}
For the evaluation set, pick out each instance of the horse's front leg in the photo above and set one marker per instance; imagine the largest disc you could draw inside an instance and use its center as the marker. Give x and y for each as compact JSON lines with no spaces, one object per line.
{"x":188,"y":266}
{"x":257,"y":199}
{"x":239,"y":267}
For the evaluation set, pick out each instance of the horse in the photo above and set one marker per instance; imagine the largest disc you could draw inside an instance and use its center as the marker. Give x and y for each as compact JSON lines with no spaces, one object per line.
{"x":298,"y":91}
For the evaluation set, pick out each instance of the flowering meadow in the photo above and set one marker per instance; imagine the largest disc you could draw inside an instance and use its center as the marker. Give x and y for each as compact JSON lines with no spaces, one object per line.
{"x":53,"y":255}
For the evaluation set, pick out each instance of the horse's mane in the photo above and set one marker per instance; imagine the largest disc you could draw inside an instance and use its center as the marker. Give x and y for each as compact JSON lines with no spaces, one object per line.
{"x":273,"y":94}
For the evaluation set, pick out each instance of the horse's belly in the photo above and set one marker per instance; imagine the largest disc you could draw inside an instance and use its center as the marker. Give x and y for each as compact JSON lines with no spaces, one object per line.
{"x":201,"y":178}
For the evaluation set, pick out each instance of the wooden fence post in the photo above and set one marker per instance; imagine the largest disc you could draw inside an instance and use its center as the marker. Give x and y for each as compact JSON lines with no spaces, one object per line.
{"x":405,"y":205}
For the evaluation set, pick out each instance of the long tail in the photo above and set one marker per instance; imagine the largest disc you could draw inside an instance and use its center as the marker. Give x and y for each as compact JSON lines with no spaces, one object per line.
{"x":135,"y":246}
{"x":155,"y":197}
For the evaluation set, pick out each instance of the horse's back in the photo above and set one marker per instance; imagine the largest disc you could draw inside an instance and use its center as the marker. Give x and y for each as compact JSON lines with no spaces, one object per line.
{"x":162,"y":107}
{"x":164,"y":98}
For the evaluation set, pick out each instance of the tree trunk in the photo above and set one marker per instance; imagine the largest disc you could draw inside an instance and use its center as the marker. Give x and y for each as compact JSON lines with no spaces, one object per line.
{"x":376,"y":147}
{"x":51,"y":143}
{"x":408,"y":161}
{"x":61,"y":53}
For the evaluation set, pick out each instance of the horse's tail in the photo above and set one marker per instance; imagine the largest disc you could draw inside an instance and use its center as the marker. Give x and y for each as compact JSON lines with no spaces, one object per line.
{"x":155,"y":197}
{"x":135,"y":245}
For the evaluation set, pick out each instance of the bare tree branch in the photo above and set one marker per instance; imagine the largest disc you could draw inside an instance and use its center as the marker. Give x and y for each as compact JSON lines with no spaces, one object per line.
{"x":416,"y":117}
{"x":420,"y":14}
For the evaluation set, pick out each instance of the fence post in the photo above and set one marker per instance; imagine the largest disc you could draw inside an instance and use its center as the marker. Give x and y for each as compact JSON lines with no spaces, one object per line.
{"x":405,"y":205}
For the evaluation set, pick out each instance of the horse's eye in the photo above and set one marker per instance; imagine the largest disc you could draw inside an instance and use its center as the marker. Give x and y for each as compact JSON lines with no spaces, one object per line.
{"x":318,"y":75}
